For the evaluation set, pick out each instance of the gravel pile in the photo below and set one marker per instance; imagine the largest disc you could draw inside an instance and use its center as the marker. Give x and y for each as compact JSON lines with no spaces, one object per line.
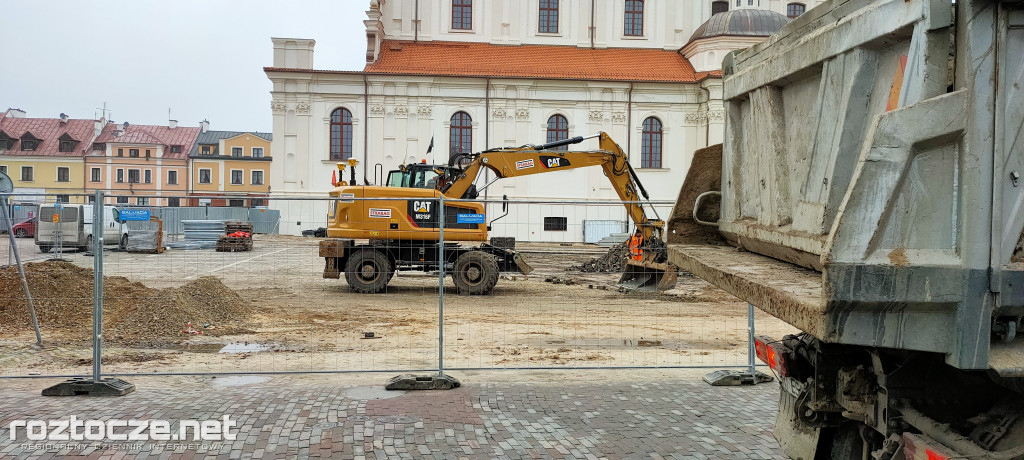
{"x":612,"y":261}
{"x":132,"y":313}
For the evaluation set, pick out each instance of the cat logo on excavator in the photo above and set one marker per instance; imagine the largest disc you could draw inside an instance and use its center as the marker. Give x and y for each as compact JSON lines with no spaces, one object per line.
{"x":421,"y":206}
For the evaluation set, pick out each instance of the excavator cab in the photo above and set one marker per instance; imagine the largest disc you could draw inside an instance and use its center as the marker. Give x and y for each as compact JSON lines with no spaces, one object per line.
{"x":416,"y":175}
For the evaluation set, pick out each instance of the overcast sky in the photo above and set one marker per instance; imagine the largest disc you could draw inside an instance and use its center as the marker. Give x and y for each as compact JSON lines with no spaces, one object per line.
{"x":200,"y":58}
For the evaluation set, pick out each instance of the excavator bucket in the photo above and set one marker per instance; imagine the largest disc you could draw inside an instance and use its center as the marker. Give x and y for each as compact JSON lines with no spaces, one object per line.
{"x":648,"y":276}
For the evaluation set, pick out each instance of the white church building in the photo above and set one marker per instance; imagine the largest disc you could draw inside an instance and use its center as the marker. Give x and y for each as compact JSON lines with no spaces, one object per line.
{"x":469,"y":75}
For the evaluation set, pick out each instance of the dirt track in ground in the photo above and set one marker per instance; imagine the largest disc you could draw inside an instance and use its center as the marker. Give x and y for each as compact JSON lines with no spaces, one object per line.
{"x":299,"y":321}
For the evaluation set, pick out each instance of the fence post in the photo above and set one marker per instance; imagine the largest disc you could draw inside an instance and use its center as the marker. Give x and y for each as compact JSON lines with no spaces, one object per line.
{"x":9,"y":226}
{"x":440,"y":287}
{"x":751,"y":352}
{"x":96,"y":386}
{"x":97,"y":286}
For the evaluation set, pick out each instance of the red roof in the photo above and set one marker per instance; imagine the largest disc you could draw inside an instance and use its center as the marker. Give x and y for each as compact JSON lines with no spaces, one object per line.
{"x":152,"y":134}
{"x":466,"y":59}
{"x":49,"y":131}
{"x":139,"y":136}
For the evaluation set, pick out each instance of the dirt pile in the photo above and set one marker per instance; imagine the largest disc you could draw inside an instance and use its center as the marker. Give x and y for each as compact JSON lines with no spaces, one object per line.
{"x":612,"y":261}
{"x":132,"y":313}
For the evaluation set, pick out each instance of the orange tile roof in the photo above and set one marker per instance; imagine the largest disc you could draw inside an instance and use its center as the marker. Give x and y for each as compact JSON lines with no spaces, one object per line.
{"x":533,"y":61}
{"x":464,"y":59}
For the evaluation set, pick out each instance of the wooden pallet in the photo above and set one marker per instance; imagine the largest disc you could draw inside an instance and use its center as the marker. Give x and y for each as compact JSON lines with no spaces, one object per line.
{"x":234,"y":244}
{"x":237,"y":226}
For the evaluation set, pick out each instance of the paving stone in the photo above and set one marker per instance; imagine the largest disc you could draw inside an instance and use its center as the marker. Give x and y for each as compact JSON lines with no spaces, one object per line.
{"x":659,"y":420}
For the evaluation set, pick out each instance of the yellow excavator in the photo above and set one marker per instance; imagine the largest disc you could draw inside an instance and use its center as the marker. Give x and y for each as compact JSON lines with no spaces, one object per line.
{"x":401,"y":220}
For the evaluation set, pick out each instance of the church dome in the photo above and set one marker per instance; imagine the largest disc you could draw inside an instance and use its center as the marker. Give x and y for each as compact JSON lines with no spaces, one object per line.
{"x":747,"y":22}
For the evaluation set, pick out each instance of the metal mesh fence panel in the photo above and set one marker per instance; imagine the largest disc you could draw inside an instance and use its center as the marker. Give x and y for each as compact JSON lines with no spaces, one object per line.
{"x":569,"y":312}
{"x":254,"y":291}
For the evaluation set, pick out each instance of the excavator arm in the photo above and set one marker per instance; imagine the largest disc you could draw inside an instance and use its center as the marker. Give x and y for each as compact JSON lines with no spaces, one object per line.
{"x":529,"y":160}
{"x":647,"y":266}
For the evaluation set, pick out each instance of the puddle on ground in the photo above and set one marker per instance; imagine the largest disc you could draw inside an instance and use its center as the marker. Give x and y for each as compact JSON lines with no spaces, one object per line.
{"x":233,"y":347}
{"x":200,"y":347}
{"x":370,"y":393}
{"x":239,"y":347}
{"x":237,"y":380}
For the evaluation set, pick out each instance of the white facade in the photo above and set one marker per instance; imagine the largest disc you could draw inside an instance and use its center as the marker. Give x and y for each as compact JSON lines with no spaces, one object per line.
{"x":668,"y":23}
{"x":394,"y":117}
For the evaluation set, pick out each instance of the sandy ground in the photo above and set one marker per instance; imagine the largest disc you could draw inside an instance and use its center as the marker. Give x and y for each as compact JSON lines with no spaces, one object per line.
{"x":303,"y":322}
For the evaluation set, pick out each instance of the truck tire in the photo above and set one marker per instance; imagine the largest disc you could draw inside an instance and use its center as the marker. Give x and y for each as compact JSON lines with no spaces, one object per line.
{"x":124,"y":243}
{"x":368,"y":271}
{"x":45,"y":249}
{"x":475,"y":273}
{"x":847,"y":444}
{"x":88,"y":243}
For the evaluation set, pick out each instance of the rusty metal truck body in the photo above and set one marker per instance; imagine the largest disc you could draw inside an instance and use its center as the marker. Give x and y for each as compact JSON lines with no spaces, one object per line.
{"x":871,"y":177}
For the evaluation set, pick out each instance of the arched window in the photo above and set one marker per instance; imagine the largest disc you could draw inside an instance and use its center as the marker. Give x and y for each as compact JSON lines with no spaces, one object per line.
{"x":341,"y":134}
{"x":650,"y":144}
{"x":462,"y":14}
{"x":719,"y":7}
{"x":634,"y":18}
{"x":558,"y":129}
{"x":462,"y":134}
{"x":795,"y":9}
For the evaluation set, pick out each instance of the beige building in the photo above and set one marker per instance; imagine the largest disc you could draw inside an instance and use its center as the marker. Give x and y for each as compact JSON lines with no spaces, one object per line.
{"x":230,"y":168}
{"x":470,"y":75}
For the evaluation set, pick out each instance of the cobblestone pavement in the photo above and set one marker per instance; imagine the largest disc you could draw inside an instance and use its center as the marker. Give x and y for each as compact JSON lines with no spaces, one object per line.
{"x":294,"y":417}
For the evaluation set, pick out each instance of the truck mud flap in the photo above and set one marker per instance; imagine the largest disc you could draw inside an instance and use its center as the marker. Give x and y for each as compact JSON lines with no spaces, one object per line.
{"x":797,"y":439}
{"x":648,"y":276}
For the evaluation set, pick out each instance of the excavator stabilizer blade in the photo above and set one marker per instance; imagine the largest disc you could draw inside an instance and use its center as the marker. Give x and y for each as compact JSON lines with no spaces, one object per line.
{"x":524,"y":267}
{"x":648,"y":276}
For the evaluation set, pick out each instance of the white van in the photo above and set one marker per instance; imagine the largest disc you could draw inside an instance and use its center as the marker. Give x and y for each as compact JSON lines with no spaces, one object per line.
{"x":71,"y":226}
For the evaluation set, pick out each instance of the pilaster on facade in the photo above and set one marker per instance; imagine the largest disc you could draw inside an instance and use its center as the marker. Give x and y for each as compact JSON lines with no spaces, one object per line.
{"x":374,"y":31}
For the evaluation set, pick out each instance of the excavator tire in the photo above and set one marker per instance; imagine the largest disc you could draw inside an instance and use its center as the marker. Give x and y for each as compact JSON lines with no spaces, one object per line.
{"x":475,"y":273}
{"x":368,"y":271}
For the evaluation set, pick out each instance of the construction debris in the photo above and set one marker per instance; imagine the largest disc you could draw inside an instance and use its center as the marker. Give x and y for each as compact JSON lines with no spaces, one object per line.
{"x":558,"y":279}
{"x":613,"y":261}
{"x":133,"y":313}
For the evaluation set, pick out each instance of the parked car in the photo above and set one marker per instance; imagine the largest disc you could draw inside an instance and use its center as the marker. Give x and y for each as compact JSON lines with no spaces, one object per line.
{"x":25,"y":229}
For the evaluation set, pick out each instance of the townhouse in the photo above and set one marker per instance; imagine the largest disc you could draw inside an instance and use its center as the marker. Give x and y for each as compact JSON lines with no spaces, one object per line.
{"x":68,"y":159}
{"x":144,"y":165}
{"x":43,"y":156}
{"x":230,"y":168}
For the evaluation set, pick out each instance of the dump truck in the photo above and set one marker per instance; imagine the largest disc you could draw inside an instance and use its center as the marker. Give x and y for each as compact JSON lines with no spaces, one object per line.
{"x":868,"y":192}
{"x":402,"y":225}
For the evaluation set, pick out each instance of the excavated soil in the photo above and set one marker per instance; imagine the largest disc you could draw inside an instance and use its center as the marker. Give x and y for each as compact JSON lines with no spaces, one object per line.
{"x":613,"y":261}
{"x":62,"y":294}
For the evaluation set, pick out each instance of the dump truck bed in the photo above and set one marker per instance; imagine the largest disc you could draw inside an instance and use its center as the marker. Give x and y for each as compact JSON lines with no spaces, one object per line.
{"x":870,"y":172}
{"x":792,"y":293}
